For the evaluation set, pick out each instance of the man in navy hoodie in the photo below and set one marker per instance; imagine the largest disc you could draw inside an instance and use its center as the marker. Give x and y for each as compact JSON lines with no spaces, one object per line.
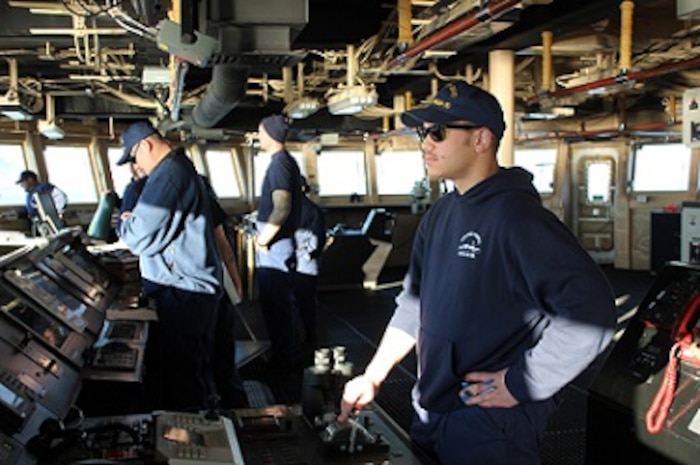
{"x":502,"y":305}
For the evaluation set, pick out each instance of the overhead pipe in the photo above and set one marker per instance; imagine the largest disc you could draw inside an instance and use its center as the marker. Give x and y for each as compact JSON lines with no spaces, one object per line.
{"x":546,"y":61}
{"x":633,"y":76}
{"x":405,"y":32}
{"x":626,"y":13}
{"x":352,"y":66}
{"x":490,"y":12}
{"x":288,"y":86}
{"x":226,"y":89}
{"x":608,"y":132}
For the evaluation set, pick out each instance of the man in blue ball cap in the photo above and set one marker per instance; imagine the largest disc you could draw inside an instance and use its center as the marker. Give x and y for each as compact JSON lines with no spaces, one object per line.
{"x":501,"y":303}
{"x":171,"y":229}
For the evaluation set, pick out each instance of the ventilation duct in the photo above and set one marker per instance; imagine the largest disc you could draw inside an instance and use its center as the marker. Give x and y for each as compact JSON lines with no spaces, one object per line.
{"x":226,"y":89}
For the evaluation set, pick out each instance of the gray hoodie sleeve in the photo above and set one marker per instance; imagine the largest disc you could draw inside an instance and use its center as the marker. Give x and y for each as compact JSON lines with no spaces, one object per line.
{"x":579,"y":304}
{"x":407,"y":313}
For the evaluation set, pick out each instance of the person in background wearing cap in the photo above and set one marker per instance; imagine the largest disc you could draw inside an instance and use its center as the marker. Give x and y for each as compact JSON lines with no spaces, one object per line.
{"x":502,"y":304}
{"x":31,"y":185}
{"x":171,"y":229}
{"x":278,"y":217}
{"x":310,"y":238}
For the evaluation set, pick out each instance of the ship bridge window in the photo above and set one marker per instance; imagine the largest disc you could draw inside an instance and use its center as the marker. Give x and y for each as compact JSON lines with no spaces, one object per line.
{"x":223,"y":174}
{"x":341,"y":173}
{"x":11,"y":165}
{"x":398,"y":171}
{"x":598,"y":182}
{"x":121,"y":175}
{"x":69,"y":169}
{"x":541,"y":163}
{"x":261,"y":161}
{"x":661,"y":168}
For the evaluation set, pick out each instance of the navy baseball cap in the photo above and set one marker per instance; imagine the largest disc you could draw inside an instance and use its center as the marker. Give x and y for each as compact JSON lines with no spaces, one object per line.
{"x":459,"y":101}
{"x":135,"y":133}
{"x":24,"y":175}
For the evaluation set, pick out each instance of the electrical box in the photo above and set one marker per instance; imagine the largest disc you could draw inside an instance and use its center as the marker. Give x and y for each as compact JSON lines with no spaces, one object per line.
{"x":687,"y":9}
{"x":690,"y":232}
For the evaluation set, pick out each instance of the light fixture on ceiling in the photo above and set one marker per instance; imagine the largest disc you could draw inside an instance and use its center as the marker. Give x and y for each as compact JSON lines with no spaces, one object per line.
{"x":551,"y":113}
{"x":48,"y":127}
{"x":11,"y":104}
{"x":13,"y":108}
{"x":302,"y":107}
{"x":351,"y":100}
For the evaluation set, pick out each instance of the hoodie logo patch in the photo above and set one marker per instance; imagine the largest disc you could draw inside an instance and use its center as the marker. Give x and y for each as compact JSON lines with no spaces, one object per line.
{"x":469,"y":245}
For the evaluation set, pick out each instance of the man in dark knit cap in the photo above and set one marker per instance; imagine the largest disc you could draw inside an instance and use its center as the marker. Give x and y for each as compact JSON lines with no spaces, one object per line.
{"x":278,"y":218}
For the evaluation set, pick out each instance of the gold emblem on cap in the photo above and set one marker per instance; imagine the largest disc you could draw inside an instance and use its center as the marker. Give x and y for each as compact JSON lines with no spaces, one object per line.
{"x":441,"y":103}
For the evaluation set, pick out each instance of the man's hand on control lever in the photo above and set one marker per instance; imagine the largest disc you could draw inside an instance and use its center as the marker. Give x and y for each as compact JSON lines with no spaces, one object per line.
{"x":358,"y":392}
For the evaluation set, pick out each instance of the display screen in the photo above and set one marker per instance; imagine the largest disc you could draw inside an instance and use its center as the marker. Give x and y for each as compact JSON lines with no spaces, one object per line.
{"x":86,"y":262}
{"x":49,"y":295}
{"x":184,"y":436}
{"x":8,"y":397}
{"x":54,"y":333}
{"x":79,"y":278}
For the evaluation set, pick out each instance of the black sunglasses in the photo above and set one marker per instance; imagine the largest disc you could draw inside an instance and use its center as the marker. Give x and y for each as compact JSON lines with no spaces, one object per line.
{"x":437,"y":131}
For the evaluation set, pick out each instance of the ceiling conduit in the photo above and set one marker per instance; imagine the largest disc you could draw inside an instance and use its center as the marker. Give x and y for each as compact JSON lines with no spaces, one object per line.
{"x":634,"y":76}
{"x":626,"y":11}
{"x":547,"y":37}
{"x":226,"y":89}
{"x":454,"y":28}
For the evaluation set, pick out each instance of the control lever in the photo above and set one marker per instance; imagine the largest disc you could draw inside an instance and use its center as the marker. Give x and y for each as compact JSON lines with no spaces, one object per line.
{"x":212,"y":413}
{"x":345,"y":435}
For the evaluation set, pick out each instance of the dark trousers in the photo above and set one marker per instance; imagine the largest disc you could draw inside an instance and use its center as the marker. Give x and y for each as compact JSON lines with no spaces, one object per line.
{"x":305,"y":292}
{"x":484,"y":436}
{"x":182,"y":374}
{"x":229,"y":384}
{"x":281,"y":318}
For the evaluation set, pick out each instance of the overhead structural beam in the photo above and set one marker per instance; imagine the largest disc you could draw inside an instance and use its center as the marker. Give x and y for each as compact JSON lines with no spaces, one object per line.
{"x":490,"y":12}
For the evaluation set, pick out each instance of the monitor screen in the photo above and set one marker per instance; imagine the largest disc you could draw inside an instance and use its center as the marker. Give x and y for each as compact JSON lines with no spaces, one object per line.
{"x":52,"y":331}
{"x":8,"y":397}
{"x":76,"y":277}
{"x":47,"y":293}
{"x":87,"y":263}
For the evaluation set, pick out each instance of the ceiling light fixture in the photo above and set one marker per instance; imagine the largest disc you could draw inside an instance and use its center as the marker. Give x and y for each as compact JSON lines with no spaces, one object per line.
{"x":351,"y":100}
{"x":12,"y":107}
{"x":551,"y":113}
{"x":302,"y":107}
{"x":48,"y":127}
{"x":11,"y":104}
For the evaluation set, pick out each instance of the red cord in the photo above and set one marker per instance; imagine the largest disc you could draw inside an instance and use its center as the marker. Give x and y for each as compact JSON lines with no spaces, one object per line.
{"x":658,"y":411}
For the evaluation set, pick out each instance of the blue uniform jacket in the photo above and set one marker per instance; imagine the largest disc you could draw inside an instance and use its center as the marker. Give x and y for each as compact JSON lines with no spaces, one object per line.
{"x":170,"y":228}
